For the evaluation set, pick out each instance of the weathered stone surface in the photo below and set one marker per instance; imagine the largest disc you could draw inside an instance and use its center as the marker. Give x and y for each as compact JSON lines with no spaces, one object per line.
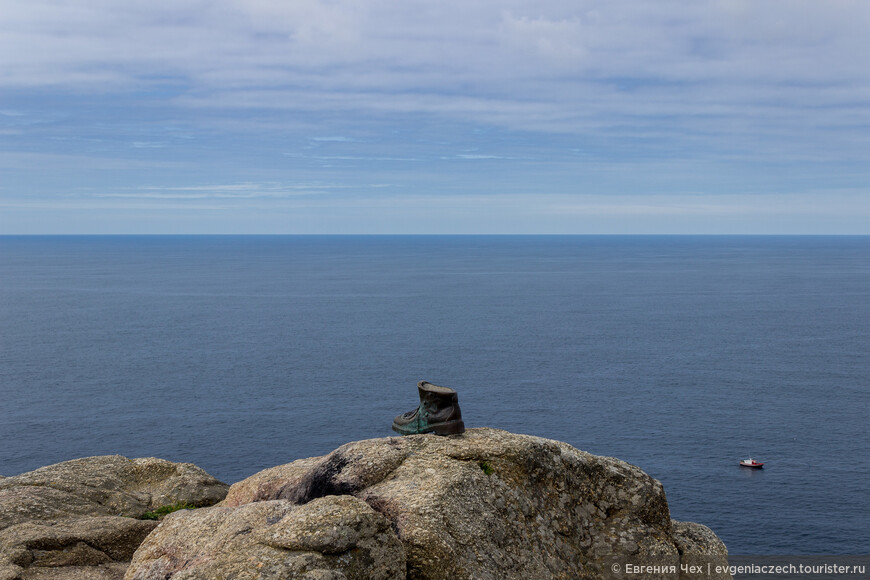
{"x":40,"y":503}
{"x":329,"y":538}
{"x":102,"y":486}
{"x":692,"y":538}
{"x":114,"y":571}
{"x":266,"y":483}
{"x":698,"y":546}
{"x":31,"y":549}
{"x":63,"y":520}
{"x":487,"y":504}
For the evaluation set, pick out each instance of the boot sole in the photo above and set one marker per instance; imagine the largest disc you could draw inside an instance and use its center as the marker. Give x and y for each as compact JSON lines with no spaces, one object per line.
{"x":454,"y":427}
{"x":448,"y":427}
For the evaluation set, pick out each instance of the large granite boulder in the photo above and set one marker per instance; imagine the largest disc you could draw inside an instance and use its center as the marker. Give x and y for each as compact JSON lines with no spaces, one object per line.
{"x":103,"y":486}
{"x":76,"y":519}
{"x":487,"y":504}
{"x":328,"y":538}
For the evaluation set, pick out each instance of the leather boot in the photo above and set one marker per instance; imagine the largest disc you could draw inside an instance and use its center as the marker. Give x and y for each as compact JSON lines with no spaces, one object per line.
{"x":438,"y":413}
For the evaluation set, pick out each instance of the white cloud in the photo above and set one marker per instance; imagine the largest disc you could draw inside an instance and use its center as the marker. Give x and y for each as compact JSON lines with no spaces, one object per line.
{"x":337,"y":139}
{"x":311,"y":90}
{"x":496,"y":49}
{"x":241,"y":191}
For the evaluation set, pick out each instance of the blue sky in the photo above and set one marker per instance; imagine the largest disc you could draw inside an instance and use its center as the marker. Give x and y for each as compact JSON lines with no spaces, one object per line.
{"x":387,"y":116}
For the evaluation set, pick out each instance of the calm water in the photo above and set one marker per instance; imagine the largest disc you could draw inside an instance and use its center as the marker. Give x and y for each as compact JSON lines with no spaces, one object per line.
{"x":681,"y":355}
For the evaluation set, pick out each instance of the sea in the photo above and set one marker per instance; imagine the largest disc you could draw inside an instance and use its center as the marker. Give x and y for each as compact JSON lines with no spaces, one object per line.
{"x":679,"y":354}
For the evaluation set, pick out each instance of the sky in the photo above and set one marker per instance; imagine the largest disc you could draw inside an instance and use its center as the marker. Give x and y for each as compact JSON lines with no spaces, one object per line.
{"x":447,"y":116}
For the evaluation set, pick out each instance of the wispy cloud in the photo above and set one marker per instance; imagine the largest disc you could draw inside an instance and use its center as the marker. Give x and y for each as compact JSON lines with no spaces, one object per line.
{"x":239,"y":191}
{"x":349,"y":157}
{"x":591,"y":50}
{"x":657,"y":97}
{"x":474,"y":156}
{"x":337,"y":139}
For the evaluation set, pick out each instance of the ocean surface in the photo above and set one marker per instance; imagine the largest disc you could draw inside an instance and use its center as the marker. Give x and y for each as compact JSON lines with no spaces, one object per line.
{"x":681,"y":355}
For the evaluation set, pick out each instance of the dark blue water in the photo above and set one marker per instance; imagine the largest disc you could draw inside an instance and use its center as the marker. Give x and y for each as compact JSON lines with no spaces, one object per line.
{"x":681,"y":355}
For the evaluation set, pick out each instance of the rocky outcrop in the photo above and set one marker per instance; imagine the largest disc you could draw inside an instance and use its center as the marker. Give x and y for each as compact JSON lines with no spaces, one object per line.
{"x":330,"y":538}
{"x":487,"y":504}
{"x":76,"y":519}
{"x":484,"y":505}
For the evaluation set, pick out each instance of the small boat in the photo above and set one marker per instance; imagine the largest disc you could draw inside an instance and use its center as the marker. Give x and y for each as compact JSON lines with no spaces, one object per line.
{"x":751,"y":463}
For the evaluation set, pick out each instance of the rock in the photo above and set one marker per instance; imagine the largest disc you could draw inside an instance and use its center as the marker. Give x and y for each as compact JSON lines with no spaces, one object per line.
{"x":105,"y":485}
{"x":40,"y":503}
{"x":266,"y":483}
{"x":77,"y":543}
{"x":75,"y":519}
{"x":698,"y":546}
{"x":333,"y":537}
{"x":101,"y":572}
{"x":692,"y":538}
{"x":487,"y":504}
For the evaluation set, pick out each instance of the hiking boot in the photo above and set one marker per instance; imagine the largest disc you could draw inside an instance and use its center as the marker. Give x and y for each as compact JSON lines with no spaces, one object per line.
{"x":438,"y":413}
